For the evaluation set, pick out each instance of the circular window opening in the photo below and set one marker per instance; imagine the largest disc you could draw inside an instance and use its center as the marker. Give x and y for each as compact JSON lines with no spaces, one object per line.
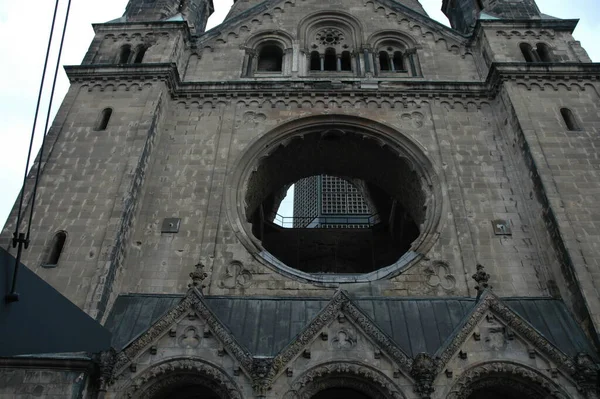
{"x":366,"y":200}
{"x":335,"y":225}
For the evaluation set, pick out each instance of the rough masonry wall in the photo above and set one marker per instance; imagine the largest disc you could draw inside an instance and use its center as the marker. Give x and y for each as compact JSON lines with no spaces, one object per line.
{"x":81,"y":189}
{"x":221,"y":55}
{"x":567,"y":165}
{"x":503,"y":43}
{"x":202,"y":142}
{"x":41,"y":383}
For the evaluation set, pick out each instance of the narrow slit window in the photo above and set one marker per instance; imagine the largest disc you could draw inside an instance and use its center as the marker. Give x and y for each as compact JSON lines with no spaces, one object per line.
{"x":315,"y":61}
{"x":346,"y":61}
{"x":270,"y":59}
{"x":330,"y":60}
{"x":125,"y":54}
{"x":398,"y":61}
{"x":384,"y":61}
{"x":56,"y":248}
{"x":543,"y":52}
{"x":139,"y":55}
{"x":569,"y":119}
{"x":104,"y":118}
{"x":527,"y":51}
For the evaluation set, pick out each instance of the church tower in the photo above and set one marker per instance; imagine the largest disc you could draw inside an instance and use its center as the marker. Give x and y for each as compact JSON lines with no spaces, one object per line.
{"x":468,"y":154}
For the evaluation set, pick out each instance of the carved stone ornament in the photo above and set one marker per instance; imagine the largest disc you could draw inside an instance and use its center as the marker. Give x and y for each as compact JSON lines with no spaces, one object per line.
{"x":106,"y":363}
{"x":481,"y":278}
{"x":262,"y":375}
{"x":354,"y":375}
{"x":235,"y":276}
{"x":438,"y":275}
{"x":340,"y":301}
{"x":182,"y":372}
{"x":586,"y":374}
{"x":198,"y":276}
{"x":489,"y":302}
{"x":524,"y":381}
{"x":344,"y":339}
{"x":423,"y":372}
{"x":193,"y":301}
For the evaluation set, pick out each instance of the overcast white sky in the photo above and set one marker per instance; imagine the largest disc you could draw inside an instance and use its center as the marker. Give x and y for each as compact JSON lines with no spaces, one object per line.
{"x":24,"y":29}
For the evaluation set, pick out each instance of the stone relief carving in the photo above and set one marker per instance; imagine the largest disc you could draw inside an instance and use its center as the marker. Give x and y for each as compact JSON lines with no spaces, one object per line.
{"x":415,"y":119}
{"x":344,"y":339}
{"x":439,"y":275}
{"x":530,"y":383}
{"x":189,"y":338}
{"x":156,"y":378}
{"x":489,"y":301}
{"x":252,"y":118}
{"x":347,"y":374}
{"x":236,"y":276}
{"x":423,"y":372}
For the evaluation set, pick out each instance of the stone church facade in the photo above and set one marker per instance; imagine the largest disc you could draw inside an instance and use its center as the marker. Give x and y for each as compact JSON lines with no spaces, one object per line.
{"x":476,"y":145}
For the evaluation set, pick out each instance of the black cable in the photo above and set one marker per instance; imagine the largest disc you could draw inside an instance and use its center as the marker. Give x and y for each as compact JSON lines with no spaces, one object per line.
{"x":37,"y":110}
{"x":39,"y":166}
{"x":19,"y":239}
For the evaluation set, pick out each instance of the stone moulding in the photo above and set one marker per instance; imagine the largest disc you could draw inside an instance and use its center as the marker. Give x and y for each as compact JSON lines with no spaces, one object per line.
{"x":263,"y":371}
{"x":351,"y":374}
{"x":489,"y":302}
{"x":415,"y":155}
{"x":531,"y":382}
{"x":164,"y":374}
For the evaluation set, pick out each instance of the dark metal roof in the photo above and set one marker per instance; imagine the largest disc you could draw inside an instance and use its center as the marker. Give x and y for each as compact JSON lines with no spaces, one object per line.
{"x":132,"y":315}
{"x":552,"y":319}
{"x":265,"y":326}
{"x":43,"y":321}
{"x":417,"y":325}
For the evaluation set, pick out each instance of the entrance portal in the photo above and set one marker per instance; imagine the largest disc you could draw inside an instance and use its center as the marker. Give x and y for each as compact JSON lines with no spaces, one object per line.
{"x":340,"y":393}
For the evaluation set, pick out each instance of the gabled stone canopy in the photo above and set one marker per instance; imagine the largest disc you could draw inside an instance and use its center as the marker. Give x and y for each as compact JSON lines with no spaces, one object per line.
{"x":264,"y":337}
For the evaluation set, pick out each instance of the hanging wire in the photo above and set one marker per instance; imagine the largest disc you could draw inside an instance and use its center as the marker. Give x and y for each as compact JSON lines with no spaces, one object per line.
{"x":21,"y":240}
{"x":37,"y":110}
{"x":39,"y":165}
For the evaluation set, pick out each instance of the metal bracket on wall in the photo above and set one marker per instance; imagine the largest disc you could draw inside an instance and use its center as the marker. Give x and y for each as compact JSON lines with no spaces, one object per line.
{"x":170,"y":225}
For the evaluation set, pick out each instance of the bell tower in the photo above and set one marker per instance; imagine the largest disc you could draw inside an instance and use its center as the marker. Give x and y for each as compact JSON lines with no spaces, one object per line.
{"x":463,"y":13}
{"x":195,"y":12}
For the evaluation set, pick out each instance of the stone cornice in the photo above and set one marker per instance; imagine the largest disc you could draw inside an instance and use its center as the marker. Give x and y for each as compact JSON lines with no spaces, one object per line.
{"x":556,"y":24}
{"x":56,"y":363}
{"x":132,"y":26}
{"x":499,"y":72}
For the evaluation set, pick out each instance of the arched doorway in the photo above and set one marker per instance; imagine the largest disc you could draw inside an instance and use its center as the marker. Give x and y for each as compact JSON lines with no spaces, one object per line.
{"x":182,"y":379}
{"x":340,"y":393}
{"x":504,"y":380}
{"x":343,"y":380}
{"x":185,"y":386}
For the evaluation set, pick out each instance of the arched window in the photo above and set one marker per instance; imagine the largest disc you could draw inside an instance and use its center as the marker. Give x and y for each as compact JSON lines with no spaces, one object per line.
{"x":398,"y":61}
{"x":315,"y":61}
{"x":528,"y":53}
{"x":55,"y":249}
{"x":384,"y":61}
{"x":270,"y":59}
{"x":330,"y":60}
{"x":346,"y":61}
{"x":569,"y":119}
{"x":543,"y":52}
{"x":124,"y":54}
{"x":139,"y":54}
{"x":103,"y":119}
